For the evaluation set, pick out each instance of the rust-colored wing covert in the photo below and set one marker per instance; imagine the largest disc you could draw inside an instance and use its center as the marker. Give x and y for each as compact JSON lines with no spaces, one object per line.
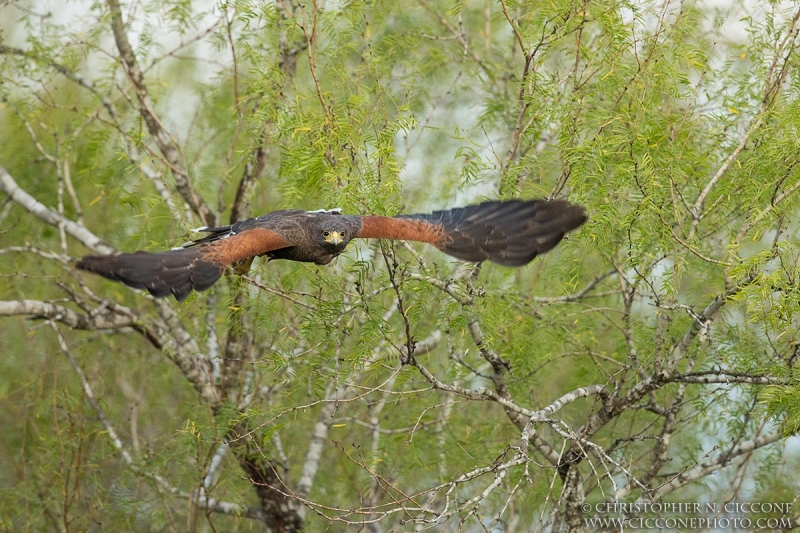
{"x":510,"y":233}
{"x":401,"y":228}
{"x":180,"y":271}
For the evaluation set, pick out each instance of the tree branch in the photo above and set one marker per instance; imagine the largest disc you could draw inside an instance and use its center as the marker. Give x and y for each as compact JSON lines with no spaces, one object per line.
{"x":102,"y":319}
{"x":722,"y":459}
{"x":201,"y":500}
{"x":34,"y":206}
{"x":164,"y":140}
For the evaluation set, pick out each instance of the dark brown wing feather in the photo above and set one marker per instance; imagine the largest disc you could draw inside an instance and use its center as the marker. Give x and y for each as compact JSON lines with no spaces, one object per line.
{"x":510,"y":232}
{"x":178,"y":272}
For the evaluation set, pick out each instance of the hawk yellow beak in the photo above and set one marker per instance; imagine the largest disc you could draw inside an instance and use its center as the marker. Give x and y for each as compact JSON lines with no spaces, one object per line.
{"x":335,"y":238}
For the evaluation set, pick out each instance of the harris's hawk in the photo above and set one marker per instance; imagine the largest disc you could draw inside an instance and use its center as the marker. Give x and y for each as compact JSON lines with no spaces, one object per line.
{"x":510,"y":233}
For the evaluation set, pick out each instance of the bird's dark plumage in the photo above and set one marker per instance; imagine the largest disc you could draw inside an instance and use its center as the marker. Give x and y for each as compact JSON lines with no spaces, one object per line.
{"x":509,"y":232}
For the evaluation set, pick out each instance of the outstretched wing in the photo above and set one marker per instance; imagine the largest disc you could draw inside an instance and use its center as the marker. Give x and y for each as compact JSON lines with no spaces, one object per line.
{"x":180,"y":271}
{"x":510,"y":233}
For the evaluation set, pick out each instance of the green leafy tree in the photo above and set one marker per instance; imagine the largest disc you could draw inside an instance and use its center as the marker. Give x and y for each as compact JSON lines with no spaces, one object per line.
{"x":648,"y":359}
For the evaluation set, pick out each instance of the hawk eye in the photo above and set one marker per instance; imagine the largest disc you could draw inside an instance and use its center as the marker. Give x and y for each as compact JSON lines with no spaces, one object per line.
{"x":326,"y":233}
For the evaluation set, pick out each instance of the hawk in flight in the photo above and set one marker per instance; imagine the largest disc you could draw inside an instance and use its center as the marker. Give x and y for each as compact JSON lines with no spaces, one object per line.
{"x":510,"y":233}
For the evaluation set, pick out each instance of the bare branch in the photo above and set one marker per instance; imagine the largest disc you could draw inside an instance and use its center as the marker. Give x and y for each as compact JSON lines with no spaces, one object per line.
{"x":701,"y":198}
{"x":87,"y":389}
{"x":578,"y":295}
{"x":728,"y":378}
{"x":179,"y":345}
{"x":772,"y":88}
{"x":652,"y":382}
{"x":570,"y":397}
{"x":103,"y":319}
{"x":200,"y":500}
{"x":164,"y":140}
{"x":315,"y":447}
{"x":722,"y":460}
{"x":130,"y":148}
{"x":170,"y":336}
{"x":459,"y":36}
{"x":77,"y":230}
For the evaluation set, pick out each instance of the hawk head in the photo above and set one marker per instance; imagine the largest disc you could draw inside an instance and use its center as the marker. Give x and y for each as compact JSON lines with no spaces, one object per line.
{"x":333,"y":235}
